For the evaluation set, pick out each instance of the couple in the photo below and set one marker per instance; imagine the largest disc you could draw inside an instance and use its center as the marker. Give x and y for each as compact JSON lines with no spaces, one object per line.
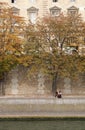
{"x":58,"y":94}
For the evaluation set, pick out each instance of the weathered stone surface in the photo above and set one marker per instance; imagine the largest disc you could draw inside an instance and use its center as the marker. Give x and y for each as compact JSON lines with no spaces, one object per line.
{"x":19,"y":84}
{"x":67,"y":86}
{"x":42,"y":107}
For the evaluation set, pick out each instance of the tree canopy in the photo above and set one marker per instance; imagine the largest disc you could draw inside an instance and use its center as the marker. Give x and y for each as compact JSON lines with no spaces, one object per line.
{"x":54,"y":46}
{"x":11,"y":38}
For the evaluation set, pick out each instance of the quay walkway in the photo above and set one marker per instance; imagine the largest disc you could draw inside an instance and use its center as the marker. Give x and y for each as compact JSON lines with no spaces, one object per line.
{"x":70,"y":106}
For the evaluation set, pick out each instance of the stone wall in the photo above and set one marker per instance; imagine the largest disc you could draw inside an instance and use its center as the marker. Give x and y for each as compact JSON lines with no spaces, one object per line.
{"x":19,"y":84}
{"x":72,"y":86}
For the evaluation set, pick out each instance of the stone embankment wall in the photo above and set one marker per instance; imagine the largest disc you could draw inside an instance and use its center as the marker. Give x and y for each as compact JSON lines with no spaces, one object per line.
{"x":19,"y":84}
{"x":42,"y":107}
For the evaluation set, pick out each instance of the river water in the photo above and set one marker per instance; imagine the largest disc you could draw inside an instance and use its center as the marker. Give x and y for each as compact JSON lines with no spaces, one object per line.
{"x":57,"y":124}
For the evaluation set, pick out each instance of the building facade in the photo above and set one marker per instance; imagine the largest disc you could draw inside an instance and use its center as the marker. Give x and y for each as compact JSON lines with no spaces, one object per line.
{"x":33,"y":9}
{"x":17,"y":83}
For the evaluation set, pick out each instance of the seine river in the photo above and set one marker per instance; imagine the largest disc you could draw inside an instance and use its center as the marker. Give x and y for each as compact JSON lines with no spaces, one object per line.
{"x":56,"y":124}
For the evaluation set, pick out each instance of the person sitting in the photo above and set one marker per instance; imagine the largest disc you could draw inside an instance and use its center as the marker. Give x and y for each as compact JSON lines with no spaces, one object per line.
{"x":59,"y":94}
{"x":56,"y":94}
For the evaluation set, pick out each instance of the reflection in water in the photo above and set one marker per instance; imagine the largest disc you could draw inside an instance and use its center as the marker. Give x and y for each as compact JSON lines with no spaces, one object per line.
{"x":43,"y":125}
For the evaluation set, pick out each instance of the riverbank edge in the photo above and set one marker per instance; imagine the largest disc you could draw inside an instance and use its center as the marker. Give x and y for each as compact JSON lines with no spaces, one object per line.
{"x":39,"y":118}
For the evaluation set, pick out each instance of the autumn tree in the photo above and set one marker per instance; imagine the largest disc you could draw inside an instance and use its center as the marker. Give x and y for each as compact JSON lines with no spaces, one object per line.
{"x":11,"y":38}
{"x":53,"y":45}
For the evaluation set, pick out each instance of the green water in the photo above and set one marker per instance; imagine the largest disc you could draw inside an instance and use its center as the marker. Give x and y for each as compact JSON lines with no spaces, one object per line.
{"x":43,"y":125}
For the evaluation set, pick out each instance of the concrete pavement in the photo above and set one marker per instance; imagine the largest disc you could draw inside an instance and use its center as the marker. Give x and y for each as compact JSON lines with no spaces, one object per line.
{"x":46,"y":107}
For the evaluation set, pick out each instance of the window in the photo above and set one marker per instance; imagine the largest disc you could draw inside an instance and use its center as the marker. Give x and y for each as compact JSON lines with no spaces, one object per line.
{"x":55,"y":0}
{"x":55,"y":11}
{"x":13,"y":1}
{"x":72,"y":0}
{"x":32,"y":1}
{"x":32,"y":17}
{"x":15,"y":10}
{"x":32,"y":14}
{"x":72,"y":10}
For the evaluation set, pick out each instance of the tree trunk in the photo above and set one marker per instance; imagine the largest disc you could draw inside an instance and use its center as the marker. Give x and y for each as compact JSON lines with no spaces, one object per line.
{"x":2,"y":89}
{"x":54,"y":84}
{"x":2,"y":81}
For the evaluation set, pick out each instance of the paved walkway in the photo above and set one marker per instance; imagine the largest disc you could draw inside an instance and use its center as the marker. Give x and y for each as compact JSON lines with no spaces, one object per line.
{"x":42,"y":107}
{"x":25,"y":100}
